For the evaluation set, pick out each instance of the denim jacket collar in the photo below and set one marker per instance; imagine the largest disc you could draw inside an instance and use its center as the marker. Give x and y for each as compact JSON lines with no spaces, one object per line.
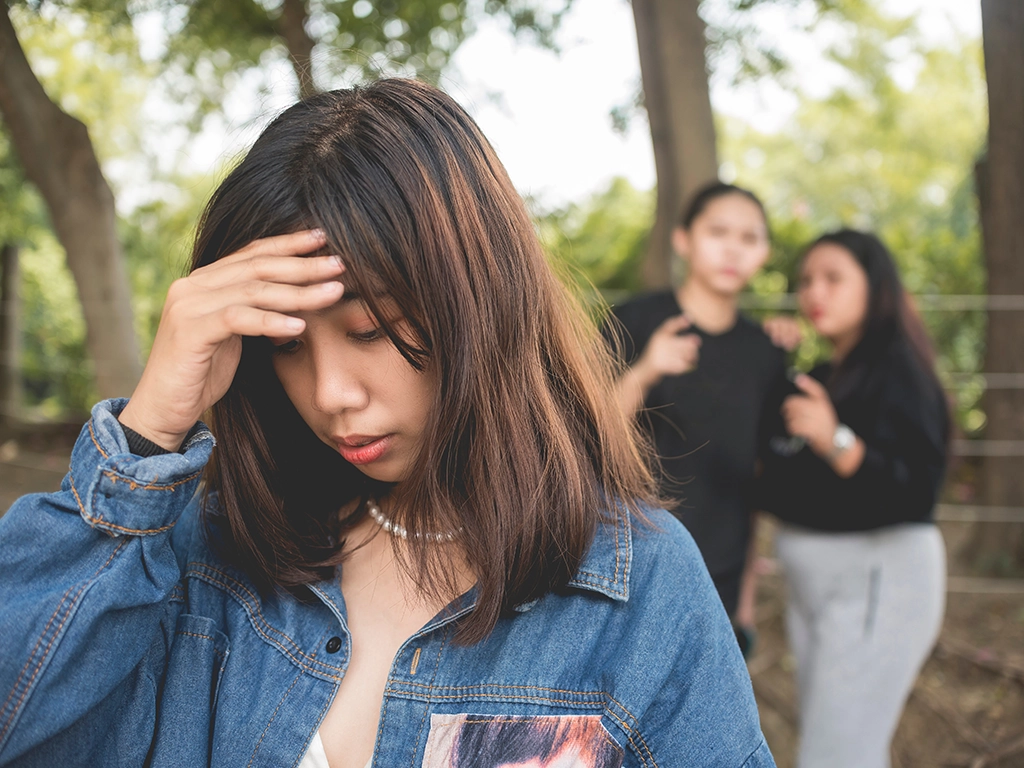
{"x":605,"y":566}
{"x":604,"y":570}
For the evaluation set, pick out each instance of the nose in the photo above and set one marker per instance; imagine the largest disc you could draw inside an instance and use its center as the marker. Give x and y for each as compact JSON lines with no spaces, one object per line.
{"x":339,"y":383}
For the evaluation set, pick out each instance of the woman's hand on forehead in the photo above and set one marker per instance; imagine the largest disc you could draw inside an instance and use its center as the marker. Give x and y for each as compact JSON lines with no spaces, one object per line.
{"x":255,"y":291}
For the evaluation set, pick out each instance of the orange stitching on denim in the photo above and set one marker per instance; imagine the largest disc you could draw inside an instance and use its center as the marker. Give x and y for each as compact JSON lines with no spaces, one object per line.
{"x":263,"y":735}
{"x":196,"y":634}
{"x":545,"y":699}
{"x":100,"y":521}
{"x":298,"y":662}
{"x":512,"y":687}
{"x":96,"y":442}
{"x":415,"y":661}
{"x":303,"y":665}
{"x":78,"y":499}
{"x":28,"y":685}
{"x":122,"y":529}
{"x":520,"y":718}
{"x":255,"y":602}
{"x":312,"y":733}
{"x":133,"y":485}
{"x":426,"y":709}
{"x":630,"y":731}
{"x":28,"y":662}
{"x":604,"y":581}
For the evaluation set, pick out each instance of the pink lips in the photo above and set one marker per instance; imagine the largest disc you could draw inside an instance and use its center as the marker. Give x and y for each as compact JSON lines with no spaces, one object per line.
{"x":362,"y":449}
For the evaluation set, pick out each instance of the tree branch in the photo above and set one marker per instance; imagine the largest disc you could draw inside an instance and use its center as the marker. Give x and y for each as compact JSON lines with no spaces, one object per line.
{"x":292,"y":27}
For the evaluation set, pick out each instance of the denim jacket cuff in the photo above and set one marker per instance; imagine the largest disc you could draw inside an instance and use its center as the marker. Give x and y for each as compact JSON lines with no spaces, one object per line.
{"x":125,"y":494}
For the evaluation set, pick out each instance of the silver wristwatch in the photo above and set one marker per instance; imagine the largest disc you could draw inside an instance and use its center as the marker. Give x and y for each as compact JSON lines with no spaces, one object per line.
{"x":842,"y":441}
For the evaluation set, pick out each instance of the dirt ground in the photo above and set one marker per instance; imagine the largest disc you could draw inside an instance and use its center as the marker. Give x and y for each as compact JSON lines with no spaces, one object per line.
{"x":966,"y":710}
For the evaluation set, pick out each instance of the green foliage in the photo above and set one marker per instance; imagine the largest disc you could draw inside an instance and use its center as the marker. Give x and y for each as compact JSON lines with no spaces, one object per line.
{"x":91,"y":69}
{"x":899,"y":162}
{"x":872,"y":155}
{"x":600,"y":243}
{"x":157,"y":240}
{"x":56,"y":373}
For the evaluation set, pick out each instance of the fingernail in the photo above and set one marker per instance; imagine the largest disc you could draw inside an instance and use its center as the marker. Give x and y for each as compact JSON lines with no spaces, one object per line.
{"x":317,"y":234}
{"x":330,"y":287}
{"x":295,"y":323}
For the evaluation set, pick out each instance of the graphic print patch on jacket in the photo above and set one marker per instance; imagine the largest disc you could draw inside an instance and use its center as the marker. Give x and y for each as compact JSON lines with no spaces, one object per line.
{"x":510,"y":741}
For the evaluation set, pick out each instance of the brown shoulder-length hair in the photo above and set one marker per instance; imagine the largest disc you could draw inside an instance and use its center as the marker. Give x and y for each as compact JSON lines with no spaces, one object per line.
{"x":525,"y":450}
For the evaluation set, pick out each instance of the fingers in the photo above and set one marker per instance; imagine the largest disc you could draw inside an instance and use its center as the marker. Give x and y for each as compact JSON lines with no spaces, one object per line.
{"x":240,"y":320}
{"x":293,"y":244}
{"x":267,"y":268}
{"x":683,"y":354}
{"x":784,"y":332}
{"x":811,"y":387}
{"x":273,"y":259}
{"x":187,"y":302}
{"x":675,"y":325}
{"x":793,"y":414}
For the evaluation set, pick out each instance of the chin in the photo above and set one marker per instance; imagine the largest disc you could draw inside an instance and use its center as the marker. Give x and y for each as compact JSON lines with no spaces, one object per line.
{"x":729,"y":287}
{"x":383,"y":473}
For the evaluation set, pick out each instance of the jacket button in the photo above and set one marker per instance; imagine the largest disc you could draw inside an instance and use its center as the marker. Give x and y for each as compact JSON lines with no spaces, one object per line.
{"x":334,"y":645}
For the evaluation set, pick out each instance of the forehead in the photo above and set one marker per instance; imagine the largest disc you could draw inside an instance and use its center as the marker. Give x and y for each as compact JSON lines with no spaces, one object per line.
{"x":354,"y":301}
{"x":733,"y":208}
{"x":831,"y":256}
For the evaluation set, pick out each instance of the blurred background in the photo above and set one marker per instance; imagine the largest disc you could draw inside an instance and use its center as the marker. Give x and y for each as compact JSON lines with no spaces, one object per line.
{"x":901,"y":116}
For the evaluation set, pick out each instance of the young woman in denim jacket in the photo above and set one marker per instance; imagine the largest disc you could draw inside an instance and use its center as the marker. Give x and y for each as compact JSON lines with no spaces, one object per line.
{"x":426,"y":536}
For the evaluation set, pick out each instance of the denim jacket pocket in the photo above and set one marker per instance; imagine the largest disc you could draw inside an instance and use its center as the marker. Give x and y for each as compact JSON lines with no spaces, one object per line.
{"x":196,"y":664}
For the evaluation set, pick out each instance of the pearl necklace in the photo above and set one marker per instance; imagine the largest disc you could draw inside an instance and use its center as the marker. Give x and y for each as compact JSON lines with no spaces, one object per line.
{"x":397,"y":530}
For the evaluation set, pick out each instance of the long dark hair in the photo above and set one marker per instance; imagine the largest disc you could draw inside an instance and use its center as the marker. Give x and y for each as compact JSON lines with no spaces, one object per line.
{"x":892,"y":325}
{"x":523,"y":449}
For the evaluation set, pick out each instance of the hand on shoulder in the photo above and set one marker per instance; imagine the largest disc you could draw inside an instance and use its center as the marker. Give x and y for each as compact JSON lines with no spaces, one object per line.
{"x":785,"y":332}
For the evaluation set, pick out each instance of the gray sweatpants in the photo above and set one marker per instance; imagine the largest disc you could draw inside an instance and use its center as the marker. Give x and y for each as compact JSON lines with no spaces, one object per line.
{"x":863,"y":614}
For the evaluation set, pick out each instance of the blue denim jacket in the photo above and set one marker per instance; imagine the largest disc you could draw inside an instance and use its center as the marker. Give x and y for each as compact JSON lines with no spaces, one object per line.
{"x":126,"y":642}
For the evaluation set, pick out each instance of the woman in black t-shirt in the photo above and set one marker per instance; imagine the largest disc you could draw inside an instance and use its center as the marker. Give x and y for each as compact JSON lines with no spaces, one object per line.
{"x":853,"y":473}
{"x":700,"y":376}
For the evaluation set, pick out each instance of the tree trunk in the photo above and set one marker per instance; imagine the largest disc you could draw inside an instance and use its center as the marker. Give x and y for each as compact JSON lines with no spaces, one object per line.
{"x":292,"y":27}
{"x":999,"y":547}
{"x":10,"y":334}
{"x":670,"y":38}
{"x":58,"y":157}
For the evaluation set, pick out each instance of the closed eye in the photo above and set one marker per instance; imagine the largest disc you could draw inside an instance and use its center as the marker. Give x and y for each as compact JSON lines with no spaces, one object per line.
{"x":366,"y":337}
{"x":287,"y":348}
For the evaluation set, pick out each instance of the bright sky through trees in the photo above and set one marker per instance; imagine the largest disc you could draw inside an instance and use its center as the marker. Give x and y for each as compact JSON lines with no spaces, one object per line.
{"x":548,"y":113}
{"x":550,"y":120}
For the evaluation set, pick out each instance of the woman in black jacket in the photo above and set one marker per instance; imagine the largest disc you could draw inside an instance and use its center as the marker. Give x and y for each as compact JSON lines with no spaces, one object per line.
{"x":853,"y":472}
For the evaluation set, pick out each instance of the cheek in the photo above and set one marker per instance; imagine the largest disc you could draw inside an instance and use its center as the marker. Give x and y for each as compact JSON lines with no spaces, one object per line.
{"x":803,"y":299}
{"x":854,"y":301}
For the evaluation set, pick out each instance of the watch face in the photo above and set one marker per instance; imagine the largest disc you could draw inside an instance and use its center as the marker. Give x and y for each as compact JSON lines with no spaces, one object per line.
{"x":843,"y":437}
